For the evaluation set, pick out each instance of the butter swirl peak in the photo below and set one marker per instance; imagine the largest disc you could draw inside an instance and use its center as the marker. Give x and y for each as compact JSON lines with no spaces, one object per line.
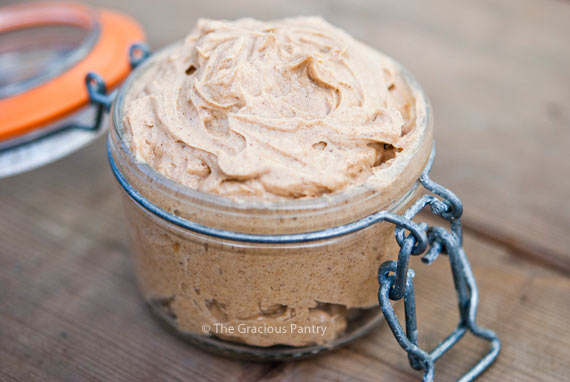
{"x":269,"y":110}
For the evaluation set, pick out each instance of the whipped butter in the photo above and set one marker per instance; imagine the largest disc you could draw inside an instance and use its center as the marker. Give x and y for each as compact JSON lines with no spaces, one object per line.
{"x":269,"y":110}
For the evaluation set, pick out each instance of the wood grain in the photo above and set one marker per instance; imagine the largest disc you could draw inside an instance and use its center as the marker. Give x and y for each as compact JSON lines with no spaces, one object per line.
{"x":497,"y":75}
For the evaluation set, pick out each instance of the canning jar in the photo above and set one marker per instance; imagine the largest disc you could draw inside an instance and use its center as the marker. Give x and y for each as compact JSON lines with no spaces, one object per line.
{"x":201,"y":273}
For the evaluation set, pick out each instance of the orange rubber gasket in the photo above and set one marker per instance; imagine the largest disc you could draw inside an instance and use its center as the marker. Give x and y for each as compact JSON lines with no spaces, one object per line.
{"x":66,"y":93}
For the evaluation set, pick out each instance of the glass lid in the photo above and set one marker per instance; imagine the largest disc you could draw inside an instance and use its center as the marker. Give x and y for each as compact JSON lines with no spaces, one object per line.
{"x":37,"y":45}
{"x":46,"y":51}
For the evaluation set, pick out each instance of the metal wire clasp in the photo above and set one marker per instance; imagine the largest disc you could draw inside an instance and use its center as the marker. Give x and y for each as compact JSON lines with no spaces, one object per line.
{"x":97,"y":88}
{"x":395,"y":280}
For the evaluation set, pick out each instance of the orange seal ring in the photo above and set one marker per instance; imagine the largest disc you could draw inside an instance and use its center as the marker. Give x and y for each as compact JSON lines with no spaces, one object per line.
{"x":66,"y":93}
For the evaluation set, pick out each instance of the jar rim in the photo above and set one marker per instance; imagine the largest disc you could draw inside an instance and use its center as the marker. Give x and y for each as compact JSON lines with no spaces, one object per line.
{"x":300,"y":204}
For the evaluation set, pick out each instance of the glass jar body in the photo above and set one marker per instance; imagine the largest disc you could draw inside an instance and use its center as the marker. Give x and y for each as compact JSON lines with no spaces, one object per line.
{"x":256,"y":300}
{"x":300,"y":295}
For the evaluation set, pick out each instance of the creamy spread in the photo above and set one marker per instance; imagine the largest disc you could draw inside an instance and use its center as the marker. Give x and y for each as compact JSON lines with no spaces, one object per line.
{"x":270,"y":110}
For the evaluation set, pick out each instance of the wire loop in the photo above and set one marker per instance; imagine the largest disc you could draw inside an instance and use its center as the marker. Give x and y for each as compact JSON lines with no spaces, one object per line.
{"x":138,"y":53}
{"x":395,"y":278}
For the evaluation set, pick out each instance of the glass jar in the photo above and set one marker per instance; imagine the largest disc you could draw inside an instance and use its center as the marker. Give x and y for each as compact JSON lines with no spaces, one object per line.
{"x":269,"y":300}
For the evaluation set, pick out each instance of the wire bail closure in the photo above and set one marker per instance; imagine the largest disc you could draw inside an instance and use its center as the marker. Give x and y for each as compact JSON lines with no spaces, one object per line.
{"x":395,"y":278}
{"x":97,"y":88}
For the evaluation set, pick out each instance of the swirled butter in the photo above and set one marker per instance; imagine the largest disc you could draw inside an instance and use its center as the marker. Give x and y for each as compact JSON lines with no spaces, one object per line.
{"x":270,"y":110}
{"x":279,"y":110}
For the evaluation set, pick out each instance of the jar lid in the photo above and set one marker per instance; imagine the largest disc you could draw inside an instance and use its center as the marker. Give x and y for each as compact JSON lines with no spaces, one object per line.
{"x":46,"y":51}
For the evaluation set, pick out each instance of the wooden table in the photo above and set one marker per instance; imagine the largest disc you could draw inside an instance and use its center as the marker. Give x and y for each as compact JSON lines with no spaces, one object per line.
{"x":498,"y":75}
